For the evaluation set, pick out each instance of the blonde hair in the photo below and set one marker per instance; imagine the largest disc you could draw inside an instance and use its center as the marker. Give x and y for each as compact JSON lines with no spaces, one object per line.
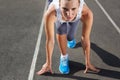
{"x":70,"y":0}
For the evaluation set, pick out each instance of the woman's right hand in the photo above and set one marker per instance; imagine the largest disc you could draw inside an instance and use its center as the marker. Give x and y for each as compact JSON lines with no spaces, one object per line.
{"x":45,"y":68}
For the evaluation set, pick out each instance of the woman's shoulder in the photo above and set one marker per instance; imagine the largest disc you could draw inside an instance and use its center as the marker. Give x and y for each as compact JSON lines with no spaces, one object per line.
{"x":86,"y":10}
{"x":51,"y":9}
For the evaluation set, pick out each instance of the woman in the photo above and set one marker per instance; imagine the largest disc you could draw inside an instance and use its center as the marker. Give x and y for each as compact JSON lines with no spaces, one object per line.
{"x":65,"y":15}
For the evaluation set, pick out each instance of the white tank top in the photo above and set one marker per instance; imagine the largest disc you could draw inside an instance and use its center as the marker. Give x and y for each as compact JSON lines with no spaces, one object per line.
{"x":58,"y":12}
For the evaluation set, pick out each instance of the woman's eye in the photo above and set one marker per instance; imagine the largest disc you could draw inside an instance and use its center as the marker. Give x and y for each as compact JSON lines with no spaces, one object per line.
{"x":73,"y":9}
{"x":65,"y":9}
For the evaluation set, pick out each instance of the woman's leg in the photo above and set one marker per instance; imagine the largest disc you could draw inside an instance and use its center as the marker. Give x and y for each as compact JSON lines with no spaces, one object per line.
{"x":62,"y":42}
{"x":71,"y":32}
{"x":61,"y":30}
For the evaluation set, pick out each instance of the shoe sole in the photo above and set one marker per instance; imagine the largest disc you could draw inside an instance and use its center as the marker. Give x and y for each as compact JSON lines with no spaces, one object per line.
{"x":63,"y":72}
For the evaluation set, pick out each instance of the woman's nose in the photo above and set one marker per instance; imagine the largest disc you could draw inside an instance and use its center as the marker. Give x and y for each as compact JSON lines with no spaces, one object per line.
{"x":69,"y":13}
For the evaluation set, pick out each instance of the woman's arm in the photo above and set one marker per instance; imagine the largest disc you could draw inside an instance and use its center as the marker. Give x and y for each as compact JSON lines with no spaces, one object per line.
{"x":49,"y":30}
{"x":49,"y":19}
{"x":87,"y":20}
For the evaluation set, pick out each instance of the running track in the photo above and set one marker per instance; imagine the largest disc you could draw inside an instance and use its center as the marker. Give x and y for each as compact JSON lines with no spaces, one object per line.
{"x":22,"y":42}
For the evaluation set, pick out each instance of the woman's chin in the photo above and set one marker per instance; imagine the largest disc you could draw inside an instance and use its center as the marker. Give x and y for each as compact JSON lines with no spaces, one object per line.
{"x":69,"y":19}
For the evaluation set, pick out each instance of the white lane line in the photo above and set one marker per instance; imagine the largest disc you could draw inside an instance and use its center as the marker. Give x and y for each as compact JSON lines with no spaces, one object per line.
{"x":111,"y":20}
{"x":32,"y":69}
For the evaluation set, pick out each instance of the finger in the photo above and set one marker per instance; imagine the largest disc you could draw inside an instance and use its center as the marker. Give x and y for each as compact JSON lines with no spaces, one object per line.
{"x":42,"y":71}
{"x":97,"y":70}
{"x":51,"y":71}
{"x":91,"y":69}
{"x":86,"y":70}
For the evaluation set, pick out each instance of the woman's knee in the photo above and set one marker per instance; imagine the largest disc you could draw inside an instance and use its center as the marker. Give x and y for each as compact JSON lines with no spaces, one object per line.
{"x":61,"y":28}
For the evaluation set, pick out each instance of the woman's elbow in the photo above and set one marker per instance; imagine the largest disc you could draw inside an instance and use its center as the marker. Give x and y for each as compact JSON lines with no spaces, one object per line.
{"x":85,"y":41}
{"x":50,"y":41}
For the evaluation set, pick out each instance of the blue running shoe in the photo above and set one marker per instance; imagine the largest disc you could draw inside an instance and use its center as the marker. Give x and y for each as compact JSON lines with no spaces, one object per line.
{"x":71,"y":44}
{"x":64,"y":65}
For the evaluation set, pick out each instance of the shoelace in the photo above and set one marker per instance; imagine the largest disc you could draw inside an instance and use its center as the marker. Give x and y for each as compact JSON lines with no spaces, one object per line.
{"x":64,"y":61}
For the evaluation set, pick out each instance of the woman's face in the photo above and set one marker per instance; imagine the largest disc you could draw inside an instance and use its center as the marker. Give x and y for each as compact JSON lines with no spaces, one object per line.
{"x":69,"y":9}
